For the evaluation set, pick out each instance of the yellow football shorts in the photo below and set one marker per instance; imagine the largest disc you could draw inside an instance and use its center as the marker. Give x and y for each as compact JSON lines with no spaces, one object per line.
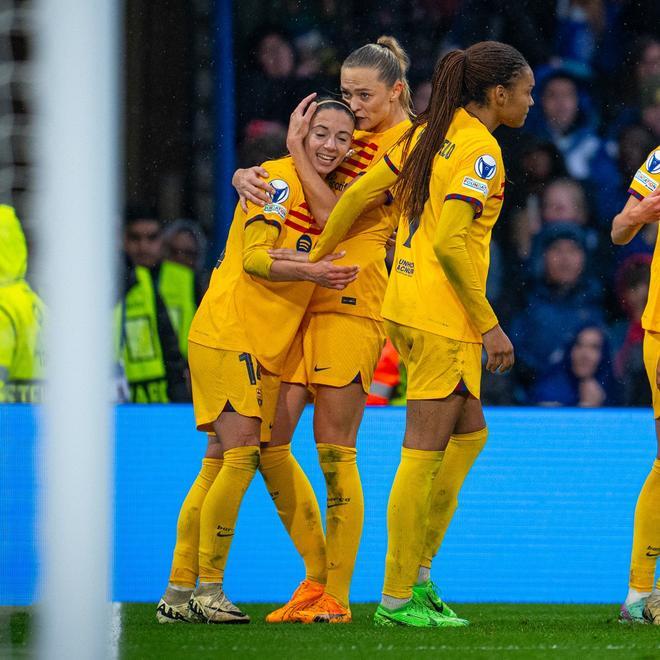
{"x":437,"y":366}
{"x":222,"y":377}
{"x":335,"y":350}
{"x":651,"y":359}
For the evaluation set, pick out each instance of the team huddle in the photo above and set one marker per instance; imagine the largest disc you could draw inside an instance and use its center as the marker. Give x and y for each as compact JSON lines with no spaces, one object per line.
{"x":300,"y":305}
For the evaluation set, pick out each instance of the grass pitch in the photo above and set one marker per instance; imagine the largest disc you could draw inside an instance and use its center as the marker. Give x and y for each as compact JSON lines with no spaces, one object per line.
{"x":497,"y":631}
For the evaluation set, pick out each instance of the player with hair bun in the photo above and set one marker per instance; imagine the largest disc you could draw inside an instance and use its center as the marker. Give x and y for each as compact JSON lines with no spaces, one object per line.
{"x":341,"y":338}
{"x":448,"y":178}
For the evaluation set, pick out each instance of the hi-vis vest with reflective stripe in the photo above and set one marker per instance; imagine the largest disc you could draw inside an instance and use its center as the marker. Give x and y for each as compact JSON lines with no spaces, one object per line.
{"x":139,"y":345}
{"x":25,"y":311}
{"x":176,"y":286}
{"x":136,"y":323}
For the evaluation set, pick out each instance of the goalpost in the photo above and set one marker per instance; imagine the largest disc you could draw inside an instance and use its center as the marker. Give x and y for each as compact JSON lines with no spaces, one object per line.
{"x":77,"y":104}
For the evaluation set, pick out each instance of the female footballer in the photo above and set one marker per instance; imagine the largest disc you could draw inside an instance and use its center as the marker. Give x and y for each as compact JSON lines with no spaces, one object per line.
{"x":642,"y":604}
{"x":447,"y":176}
{"x":238,"y":342}
{"x":342,"y":335}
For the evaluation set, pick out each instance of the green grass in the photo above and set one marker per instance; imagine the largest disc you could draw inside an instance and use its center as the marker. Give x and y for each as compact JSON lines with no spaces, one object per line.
{"x":497,"y":631}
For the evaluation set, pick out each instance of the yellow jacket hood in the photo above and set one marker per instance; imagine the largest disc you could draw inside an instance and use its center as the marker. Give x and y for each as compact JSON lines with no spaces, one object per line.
{"x":13,"y":249}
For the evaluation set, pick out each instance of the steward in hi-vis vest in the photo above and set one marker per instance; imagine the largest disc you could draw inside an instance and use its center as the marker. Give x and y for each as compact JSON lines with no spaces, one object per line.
{"x":21,"y":317}
{"x":151,"y":332}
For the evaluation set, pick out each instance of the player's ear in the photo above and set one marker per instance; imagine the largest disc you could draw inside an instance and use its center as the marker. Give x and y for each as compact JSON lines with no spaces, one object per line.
{"x":397,"y":88}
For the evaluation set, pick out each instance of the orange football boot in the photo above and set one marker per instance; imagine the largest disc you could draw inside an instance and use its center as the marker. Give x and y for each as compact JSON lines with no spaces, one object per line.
{"x":307,"y":592}
{"x":326,"y":609}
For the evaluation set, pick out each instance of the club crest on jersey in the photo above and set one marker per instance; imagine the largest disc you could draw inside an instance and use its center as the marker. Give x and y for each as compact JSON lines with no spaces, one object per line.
{"x":281,"y":193}
{"x":304,"y":244}
{"x":653,"y":163}
{"x":485,"y":166}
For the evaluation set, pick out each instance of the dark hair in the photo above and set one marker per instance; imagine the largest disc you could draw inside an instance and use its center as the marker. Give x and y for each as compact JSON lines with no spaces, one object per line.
{"x":135,"y":212}
{"x":330,"y":103}
{"x":390,"y":60}
{"x":460,"y":77}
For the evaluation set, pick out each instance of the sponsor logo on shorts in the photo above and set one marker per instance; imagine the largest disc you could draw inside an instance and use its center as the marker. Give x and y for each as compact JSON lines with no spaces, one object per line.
{"x":485,"y":166}
{"x":405,"y":267}
{"x":645,"y":180}
{"x":320,"y":368}
{"x":224,"y":531}
{"x":473,"y":184}
{"x":276,"y":208}
{"x":347,"y":300}
{"x":281,"y":193}
{"x":652,"y":551}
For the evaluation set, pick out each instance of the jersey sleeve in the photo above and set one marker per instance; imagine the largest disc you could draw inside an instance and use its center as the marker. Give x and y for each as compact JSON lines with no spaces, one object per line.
{"x":358,"y":197}
{"x":478,"y":177}
{"x":260,"y":236}
{"x":647,"y":177}
{"x":282,"y":200}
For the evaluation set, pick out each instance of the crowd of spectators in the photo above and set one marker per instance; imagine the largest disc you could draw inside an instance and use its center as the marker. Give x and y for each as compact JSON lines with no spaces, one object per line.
{"x":572,"y":301}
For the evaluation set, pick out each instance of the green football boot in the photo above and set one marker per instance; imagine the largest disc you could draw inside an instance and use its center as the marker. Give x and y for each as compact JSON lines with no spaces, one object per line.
{"x":415,"y":615}
{"x":428,"y":595}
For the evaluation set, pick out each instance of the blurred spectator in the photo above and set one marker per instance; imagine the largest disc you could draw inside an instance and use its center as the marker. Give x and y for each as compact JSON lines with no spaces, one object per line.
{"x":268,"y":86}
{"x":421,"y":96}
{"x":562,"y":298}
{"x":644,"y":66}
{"x":610,"y":177}
{"x":537,"y":164}
{"x":582,"y":377}
{"x":264,"y":140}
{"x":185,"y":244}
{"x":632,"y":288}
{"x":565,"y":117}
{"x":21,"y":318}
{"x":152,"y":319}
{"x":586,"y":36}
{"x":529,"y":30}
{"x":650,"y":107}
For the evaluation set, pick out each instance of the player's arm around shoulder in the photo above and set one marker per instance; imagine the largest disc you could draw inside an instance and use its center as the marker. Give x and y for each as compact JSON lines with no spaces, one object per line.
{"x":643,"y":205}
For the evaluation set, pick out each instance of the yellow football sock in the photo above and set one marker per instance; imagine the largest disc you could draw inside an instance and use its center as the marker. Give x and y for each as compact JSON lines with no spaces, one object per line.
{"x":344,"y":516}
{"x":407,"y":514}
{"x":297,"y":507}
{"x":460,"y":455}
{"x":220,"y":510}
{"x":186,"y":551}
{"x":646,"y":533}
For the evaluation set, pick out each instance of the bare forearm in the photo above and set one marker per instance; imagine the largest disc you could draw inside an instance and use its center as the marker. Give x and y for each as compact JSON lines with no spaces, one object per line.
{"x":624,"y":227}
{"x":289,"y":271}
{"x":319,"y":196}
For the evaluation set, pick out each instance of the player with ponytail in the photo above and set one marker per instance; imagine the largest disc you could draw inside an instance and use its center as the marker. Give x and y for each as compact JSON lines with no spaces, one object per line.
{"x":447,"y":176}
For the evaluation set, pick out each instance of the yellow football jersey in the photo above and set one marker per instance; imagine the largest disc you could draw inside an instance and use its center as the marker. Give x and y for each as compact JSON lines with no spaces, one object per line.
{"x":468,"y":167}
{"x":249,"y":314}
{"x":646,"y":180}
{"x":365,"y":242}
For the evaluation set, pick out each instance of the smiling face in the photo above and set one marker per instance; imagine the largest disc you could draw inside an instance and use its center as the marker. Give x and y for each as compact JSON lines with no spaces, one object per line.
{"x":370,"y":99}
{"x":515,"y":100}
{"x":329,"y":139}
